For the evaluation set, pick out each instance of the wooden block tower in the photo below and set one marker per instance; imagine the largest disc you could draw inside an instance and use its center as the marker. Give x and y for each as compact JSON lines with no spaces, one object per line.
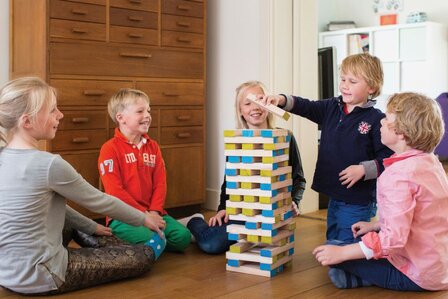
{"x":259,"y":185}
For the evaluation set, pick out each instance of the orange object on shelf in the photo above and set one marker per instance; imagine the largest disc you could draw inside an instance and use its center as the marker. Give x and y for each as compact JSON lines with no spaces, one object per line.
{"x":388,"y":19}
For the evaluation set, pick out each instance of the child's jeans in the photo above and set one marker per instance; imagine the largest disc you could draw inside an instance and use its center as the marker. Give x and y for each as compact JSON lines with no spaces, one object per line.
{"x":210,"y":239}
{"x":341,"y":216}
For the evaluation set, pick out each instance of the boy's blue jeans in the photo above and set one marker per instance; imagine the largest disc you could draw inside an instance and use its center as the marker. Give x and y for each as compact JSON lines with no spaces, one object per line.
{"x":380,"y":273}
{"x":341,"y":216}
{"x":210,"y":239}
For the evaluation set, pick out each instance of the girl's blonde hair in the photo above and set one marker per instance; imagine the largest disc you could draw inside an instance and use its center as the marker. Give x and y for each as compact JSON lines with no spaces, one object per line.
{"x":367,"y":67}
{"x":241,"y":123}
{"x":122,"y":98}
{"x":418,"y":118}
{"x":26,"y":95}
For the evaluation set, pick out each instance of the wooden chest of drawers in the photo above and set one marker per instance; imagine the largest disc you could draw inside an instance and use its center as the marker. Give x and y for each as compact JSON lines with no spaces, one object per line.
{"x":88,"y":49}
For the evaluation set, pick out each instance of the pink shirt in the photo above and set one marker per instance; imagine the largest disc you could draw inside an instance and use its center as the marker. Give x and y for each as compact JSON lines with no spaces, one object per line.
{"x":413,"y":209}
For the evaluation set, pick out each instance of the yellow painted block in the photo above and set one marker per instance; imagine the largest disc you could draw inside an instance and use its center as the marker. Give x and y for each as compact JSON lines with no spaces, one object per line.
{"x":282,"y":242}
{"x":267,"y":240}
{"x":267,"y":160}
{"x":252,"y":238}
{"x":235,"y":248}
{"x":235,"y":198}
{"x":248,"y":146}
{"x":278,"y":218}
{"x":249,"y":198}
{"x":246,"y":185}
{"x":288,"y":176}
{"x":274,"y":259}
{"x":249,"y":212}
{"x":280,"y":204}
{"x":245,"y":172}
{"x":283,"y":164}
{"x":291,"y":226}
{"x":286,"y":151}
{"x":229,"y":133}
{"x":269,"y":146}
{"x":267,"y":173}
{"x":232,"y":211}
{"x":231,"y":146}
{"x":264,"y":199}
{"x":288,"y":201}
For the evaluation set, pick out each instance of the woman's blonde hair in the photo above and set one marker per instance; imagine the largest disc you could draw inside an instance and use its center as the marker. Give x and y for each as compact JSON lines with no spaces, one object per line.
{"x":367,"y":67}
{"x":241,"y":123}
{"x":26,"y":95}
{"x":418,"y":118}
{"x":122,"y":98}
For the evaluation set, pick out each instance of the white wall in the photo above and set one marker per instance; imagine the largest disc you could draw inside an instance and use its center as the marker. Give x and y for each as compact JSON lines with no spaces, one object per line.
{"x":4,"y":42}
{"x":361,"y":11}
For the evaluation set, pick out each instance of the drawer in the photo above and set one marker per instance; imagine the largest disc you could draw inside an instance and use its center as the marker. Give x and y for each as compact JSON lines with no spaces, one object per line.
{"x":97,"y":2}
{"x":183,"y":8}
{"x":86,"y":164}
{"x":181,"y":117}
{"x":182,"y":24}
{"x":134,"y":35}
{"x":79,"y":140}
{"x":77,"y":30}
{"x":78,"y":120}
{"x":85,"y":59}
{"x":173,"y":93}
{"x":175,"y":135}
{"x":134,"y":18}
{"x":86,"y":92}
{"x":182,"y":39}
{"x":147,"y":5}
{"x":77,"y":11}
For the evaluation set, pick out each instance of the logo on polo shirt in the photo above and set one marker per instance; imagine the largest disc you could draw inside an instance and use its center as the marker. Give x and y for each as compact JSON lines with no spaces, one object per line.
{"x":364,"y":127}
{"x":149,"y":160}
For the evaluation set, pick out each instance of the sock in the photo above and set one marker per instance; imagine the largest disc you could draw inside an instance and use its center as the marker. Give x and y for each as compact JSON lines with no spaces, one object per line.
{"x":184,"y":221}
{"x":157,"y":244}
{"x":346,"y":280}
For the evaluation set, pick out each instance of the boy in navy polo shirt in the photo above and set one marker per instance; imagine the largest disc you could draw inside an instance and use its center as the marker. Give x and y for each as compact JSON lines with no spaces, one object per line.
{"x":350,"y":154}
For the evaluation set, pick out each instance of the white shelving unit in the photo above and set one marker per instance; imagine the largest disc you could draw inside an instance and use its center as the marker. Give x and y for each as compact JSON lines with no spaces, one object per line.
{"x":414,"y":56}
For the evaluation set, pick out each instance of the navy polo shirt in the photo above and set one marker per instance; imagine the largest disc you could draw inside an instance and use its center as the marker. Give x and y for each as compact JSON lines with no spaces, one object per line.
{"x":346,"y":139}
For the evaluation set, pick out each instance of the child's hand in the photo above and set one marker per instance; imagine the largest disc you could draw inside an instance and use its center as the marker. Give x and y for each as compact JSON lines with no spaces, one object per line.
{"x":295,"y":209}
{"x":155,"y":222}
{"x":102,"y":230}
{"x":351,"y":175}
{"x":218,"y":218}
{"x":361,"y":228}
{"x":329,"y":254}
{"x":275,"y":100}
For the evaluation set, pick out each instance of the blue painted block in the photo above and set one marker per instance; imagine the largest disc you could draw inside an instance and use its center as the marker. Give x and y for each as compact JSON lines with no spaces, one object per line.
{"x":289,"y":188}
{"x":233,"y":237}
{"x":287,"y":215}
{"x":291,"y":251}
{"x":265,"y":267}
{"x":266,"y":226}
{"x":234,"y":159}
{"x":266,"y":187}
{"x":267,"y":213}
{"x":274,"y":206}
{"x":248,"y":159}
{"x":248,"y":133}
{"x":233,"y":263}
{"x":288,"y":138}
{"x":266,"y":133}
{"x":232,"y":185}
{"x":266,"y":253}
{"x":291,"y":239}
{"x":281,"y":177}
{"x":273,"y":273}
{"x":251,"y":225}
{"x":274,"y":166}
{"x":231,"y":172}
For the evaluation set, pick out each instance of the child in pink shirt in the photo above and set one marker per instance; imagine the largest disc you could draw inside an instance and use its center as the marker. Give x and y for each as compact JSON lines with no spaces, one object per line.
{"x":407,"y":249}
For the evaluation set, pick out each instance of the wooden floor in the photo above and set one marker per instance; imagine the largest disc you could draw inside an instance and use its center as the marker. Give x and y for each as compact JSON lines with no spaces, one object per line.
{"x":197,"y":275}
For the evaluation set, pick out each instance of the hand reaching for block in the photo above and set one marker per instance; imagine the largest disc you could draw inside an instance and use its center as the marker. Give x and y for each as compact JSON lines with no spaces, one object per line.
{"x":270,"y":107}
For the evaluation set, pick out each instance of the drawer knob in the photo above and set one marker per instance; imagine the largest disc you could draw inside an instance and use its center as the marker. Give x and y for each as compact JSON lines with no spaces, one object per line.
{"x":136,"y":55}
{"x":183,"y":40}
{"x":135,"y":35}
{"x":135,"y":18}
{"x":79,"y":12}
{"x":93,"y":92}
{"x":80,"y":120}
{"x":183,"y":7}
{"x":183,"y":24}
{"x":135,"y":1}
{"x":80,"y":140}
{"x":183,"y":135}
{"x":79,"y":30}
{"x":183,"y":117}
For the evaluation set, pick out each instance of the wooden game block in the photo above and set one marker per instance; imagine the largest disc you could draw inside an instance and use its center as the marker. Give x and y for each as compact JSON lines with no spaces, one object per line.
{"x":253,"y":153}
{"x":240,"y":229}
{"x":235,"y":198}
{"x":252,"y":225}
{"x":253,"y":238}
{"x":254,"y":179}
{"x":232,"y":146}
{"x":253,"y":192}
{"x":274,"y":132}
{"x":275,"y":159}
{"x":250,"y":212}
{"x":241,"y":247}
{"x":256,"y":218}
{"x":251,"y":146}
{"x":271,"y":108}
{"x":272,"y":250}
{"x":275,"y":226}
{"x":233,"y":211}
{"x":251,"y":205}
{"x":275,"y":186}
{"x":275,"y":265}
{"x":253,"y":166}
{"x":249,"y":256}
{"x":281,"y":195}
{"x":252,"y":269}
{"x":279,"y":171}
{"x":274,"y":146}
{"x":282,"y":234}
{"x":273,"y":213}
